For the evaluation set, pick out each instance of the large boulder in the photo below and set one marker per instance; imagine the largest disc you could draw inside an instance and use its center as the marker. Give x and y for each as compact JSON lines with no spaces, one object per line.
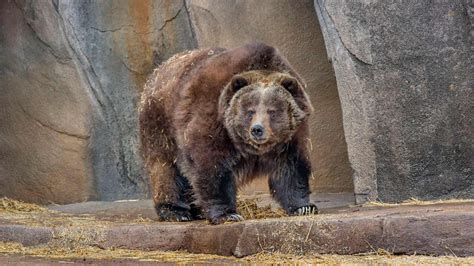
{"x":292,"y":27}
{"x":70,"y":76}
{"x":405,"y":76}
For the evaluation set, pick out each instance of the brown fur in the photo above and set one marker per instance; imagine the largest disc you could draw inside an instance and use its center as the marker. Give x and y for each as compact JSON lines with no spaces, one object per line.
{"x":195,"y":137}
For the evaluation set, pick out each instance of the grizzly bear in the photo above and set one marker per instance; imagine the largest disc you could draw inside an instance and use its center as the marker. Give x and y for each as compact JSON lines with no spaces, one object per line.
{"x":213,"y":119}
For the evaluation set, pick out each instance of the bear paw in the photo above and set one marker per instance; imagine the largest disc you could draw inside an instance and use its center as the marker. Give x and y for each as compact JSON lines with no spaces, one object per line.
{"x":196,"y":212}
{"x":231,"y":217}
{"x":306,"y":210}
{"x":167,"y":213}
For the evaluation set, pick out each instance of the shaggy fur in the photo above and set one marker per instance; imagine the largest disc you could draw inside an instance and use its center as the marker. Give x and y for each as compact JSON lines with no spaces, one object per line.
{"x":212,"y":119}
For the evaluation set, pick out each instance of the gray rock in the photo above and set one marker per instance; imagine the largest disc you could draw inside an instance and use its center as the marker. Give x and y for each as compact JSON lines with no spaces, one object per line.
{"x":70,"y":76}
{"x":404,"y":75}
{"x":116,"y":53}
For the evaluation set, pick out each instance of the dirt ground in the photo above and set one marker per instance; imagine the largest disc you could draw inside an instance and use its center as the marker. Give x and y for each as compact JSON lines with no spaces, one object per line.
{"x":11,"y":253}
{"x":78,"y":249}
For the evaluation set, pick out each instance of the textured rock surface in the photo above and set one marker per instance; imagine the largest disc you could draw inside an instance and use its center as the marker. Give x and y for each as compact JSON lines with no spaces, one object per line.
{"x":292,"y":27}
{"x":70,"y":75}
{"x":404,"y":75}
{"x":326,"y":203}
{"x":71,"y":71}
{"x":439,"y":229}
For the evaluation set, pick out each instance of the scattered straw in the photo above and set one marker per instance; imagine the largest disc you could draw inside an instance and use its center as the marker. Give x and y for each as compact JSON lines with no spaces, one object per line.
{"x":90,"y":252}
{"x":414,"y":201}
{"x":267,"y":258}
{"x":363,"y":259}
{"x":141,"y":220}
{"x":10,"y":247}
{"x":79,"y":242}
{"x":16,"y":206}
{"x":249,"y":209}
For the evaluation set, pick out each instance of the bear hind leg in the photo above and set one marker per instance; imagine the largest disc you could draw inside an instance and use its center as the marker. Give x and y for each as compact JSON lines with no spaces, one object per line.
{"x":187,"y":195}
{"x":169,"y":193}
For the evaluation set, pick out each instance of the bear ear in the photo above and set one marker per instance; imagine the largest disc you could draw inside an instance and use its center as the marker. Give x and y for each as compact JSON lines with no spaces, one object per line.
{"x":290,"y":84}
{"x":238,"y":82}
{"x":296,"y":89}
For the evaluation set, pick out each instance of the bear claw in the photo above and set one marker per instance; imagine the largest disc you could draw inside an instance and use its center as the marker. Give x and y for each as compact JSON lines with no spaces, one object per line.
{"x":173,"y":214}
{"x":183,"y":218}
{"x":306,"y":210}
{"x":175,"y":218}
{"x":233,"y":217}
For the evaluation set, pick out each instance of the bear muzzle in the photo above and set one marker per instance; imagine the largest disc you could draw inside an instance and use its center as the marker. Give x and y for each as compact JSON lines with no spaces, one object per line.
{"x":258,"y":134}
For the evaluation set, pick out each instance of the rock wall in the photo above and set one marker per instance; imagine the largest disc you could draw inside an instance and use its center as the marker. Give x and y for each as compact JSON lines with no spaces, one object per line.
{"x":405,"y":77}
{"x":70,"y":76}
{"x":292,"y":27}
{"x":71,"y":73}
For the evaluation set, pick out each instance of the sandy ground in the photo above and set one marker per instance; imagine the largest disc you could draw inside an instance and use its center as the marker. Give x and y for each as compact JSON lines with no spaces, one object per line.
{"x":12,"y":253}
{"x":71,"y":253}
{"x":167,"y":258}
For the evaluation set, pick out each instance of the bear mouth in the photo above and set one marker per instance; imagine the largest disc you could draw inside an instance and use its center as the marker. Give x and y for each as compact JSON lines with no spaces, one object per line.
{"x":259,"y":142}
{"x":253,"y":146}
{"x":260,"y":145}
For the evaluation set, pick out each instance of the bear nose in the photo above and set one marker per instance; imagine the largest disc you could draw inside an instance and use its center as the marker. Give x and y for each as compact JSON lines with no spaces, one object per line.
{"x":257,"y":131}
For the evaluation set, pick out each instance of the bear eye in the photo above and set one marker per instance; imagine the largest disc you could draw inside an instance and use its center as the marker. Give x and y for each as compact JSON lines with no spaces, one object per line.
{"x":250,"y":113}
{"x":272,"y":113}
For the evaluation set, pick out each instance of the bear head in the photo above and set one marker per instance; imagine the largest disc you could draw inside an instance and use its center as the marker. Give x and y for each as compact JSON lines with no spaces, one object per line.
{"x":262,"y":110}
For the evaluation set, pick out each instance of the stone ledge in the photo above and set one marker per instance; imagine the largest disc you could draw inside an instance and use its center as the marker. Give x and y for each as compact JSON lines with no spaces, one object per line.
{"x":441,"y":229}
{"x":26,"y":235}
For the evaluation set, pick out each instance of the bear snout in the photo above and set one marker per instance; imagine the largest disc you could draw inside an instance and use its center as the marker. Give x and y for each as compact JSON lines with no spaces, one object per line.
{"x":258,"y":133}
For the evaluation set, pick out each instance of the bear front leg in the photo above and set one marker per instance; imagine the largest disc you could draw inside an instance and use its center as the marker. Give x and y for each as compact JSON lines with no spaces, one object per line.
{"x":289,"y":186}
{"x":216,"y":193}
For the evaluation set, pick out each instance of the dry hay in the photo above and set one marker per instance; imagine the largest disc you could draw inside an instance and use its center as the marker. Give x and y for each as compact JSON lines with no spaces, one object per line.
{"x":90,"y":252}
{"x":34,"y":215}
{"x":267,"y":258}
{"x":79,"y":241}
{"x":16,"y":206}
{"x":417,"y":202}
{"x":360,"y":259}
{"x":249,"y":209}
{"x":18,"y":212}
